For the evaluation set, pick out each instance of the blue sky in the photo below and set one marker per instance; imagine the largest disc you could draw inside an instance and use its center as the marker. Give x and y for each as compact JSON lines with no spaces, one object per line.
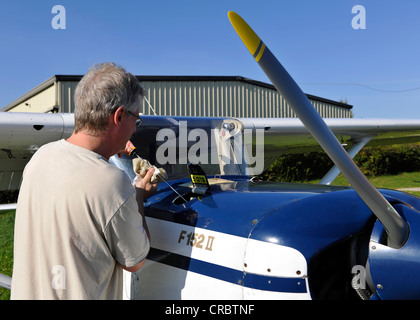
{"x":376,"y":69}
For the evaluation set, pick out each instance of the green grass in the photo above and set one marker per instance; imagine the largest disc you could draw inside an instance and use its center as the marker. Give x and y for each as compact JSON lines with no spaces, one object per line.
{"x":402,"y":180}
{"x":7,"y":218}
{"x":7,"y":221}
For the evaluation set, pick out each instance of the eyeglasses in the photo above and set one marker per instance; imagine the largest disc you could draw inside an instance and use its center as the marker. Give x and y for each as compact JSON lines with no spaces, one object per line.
{"x":139,"y":120}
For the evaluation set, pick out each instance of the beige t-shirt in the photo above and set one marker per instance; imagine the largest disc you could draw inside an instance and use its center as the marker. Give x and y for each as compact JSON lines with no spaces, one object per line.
{"x":77,"y":216}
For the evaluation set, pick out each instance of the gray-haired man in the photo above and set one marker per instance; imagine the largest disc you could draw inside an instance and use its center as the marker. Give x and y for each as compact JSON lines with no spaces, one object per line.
{"x":79,"y":221}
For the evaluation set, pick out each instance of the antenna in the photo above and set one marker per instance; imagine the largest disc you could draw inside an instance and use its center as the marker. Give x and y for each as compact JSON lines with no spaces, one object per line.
{"x":150,"y":106}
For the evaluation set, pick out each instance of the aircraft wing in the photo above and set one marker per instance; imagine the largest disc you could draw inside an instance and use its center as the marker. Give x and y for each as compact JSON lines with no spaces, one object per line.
{"x":21,"y":134}
{"x":289,"y":135}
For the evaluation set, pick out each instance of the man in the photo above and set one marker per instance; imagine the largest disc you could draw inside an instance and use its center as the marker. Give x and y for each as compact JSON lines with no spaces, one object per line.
{"x":79,"y":221}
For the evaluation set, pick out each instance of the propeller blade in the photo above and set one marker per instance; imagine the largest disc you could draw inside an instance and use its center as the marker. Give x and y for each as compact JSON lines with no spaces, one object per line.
{"x":396,"y":228}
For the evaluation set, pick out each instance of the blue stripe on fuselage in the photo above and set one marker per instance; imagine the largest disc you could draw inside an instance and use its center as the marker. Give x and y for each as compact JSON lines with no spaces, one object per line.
{"x":253,"y":281}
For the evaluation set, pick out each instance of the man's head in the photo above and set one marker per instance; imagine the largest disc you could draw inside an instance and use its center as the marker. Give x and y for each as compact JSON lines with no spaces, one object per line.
{"x":104,"y":88}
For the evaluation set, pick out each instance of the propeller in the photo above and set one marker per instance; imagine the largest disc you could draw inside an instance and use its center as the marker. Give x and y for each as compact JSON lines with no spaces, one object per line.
{"x":395,"y":226}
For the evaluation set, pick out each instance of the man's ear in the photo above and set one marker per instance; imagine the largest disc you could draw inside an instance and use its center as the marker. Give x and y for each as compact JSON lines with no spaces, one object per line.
{"x":117,"y":116}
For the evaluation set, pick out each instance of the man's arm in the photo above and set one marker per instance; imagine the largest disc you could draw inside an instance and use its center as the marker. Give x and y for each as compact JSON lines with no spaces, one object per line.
{"x":135,"y":268}
{"x":144,"y":189}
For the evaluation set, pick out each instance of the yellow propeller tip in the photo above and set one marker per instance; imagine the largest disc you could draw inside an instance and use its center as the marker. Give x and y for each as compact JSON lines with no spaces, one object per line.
{"x":248,"y":36}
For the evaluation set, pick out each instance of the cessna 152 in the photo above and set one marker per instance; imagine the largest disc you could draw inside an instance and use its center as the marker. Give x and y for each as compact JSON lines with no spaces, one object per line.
{"x":219,"y":233}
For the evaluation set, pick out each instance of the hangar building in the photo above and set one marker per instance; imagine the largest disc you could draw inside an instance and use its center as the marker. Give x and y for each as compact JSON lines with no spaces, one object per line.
{"x":200,"y":96}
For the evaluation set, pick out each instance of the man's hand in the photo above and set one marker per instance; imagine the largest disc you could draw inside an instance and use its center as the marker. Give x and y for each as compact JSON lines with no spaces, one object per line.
{"x":144,"y":186}
{"x":128,"y":147}
{"x":144,"y":181}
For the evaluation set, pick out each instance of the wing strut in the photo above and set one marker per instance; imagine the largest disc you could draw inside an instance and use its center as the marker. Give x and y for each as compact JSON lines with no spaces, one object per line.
{"x":334,"y":171}
{"x":396,"y":228}
{"x":5,"y":281}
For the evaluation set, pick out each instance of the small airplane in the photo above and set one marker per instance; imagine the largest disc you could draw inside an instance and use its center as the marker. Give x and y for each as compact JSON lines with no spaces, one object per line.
{"x":220,"y":233}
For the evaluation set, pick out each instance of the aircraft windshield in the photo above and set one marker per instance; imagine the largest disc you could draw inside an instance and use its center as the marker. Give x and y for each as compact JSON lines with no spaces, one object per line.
{"x":173,"y":142}
{"x":220,"y":146}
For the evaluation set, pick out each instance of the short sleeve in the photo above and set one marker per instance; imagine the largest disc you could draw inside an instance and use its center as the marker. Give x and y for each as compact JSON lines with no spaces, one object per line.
{"x":126,"y":238}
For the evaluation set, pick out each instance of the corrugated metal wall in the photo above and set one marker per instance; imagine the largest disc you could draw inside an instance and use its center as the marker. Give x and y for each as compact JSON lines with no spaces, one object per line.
{"x":66,"y":95}
{"x":208,"y":96}
{"x":225,"y":99}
